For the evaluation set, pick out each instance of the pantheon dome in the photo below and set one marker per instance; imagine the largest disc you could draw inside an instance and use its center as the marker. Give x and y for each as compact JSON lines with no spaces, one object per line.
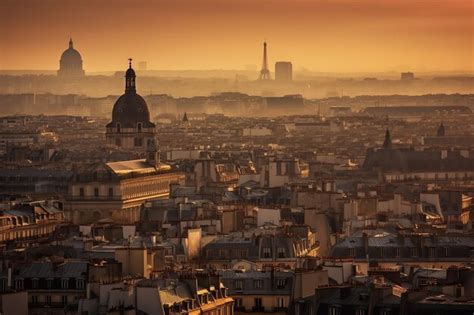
{"x":70,"y":64}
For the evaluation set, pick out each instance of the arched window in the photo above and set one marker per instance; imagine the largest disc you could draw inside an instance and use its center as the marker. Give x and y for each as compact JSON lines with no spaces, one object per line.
{"x":118,"y":127}
{"x":139,"y":127}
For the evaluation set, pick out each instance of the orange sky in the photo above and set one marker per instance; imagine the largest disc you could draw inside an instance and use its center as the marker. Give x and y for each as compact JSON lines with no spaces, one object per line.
{"x":320,"y":35}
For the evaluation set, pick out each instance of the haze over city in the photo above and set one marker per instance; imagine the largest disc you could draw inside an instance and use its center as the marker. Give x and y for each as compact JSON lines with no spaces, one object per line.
{"x":324,"y":35}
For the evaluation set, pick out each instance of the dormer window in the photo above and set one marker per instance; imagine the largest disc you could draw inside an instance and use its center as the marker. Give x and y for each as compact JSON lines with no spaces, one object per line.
{"x":64,"y":283}
{"x":266,"y":252}
{"x":281,"y":252}
{"x":139,"y":127}
{"x":118,"y":127}
{"x":281,"y":283}
{"x":238,"y":284}
{"x":19,"y":284}
{"x":79,"y":284}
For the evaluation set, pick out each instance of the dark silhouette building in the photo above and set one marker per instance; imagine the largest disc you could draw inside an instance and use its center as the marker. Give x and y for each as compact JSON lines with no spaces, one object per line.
{"x":283,"y":71}
{"x":407,"y":76}
{"x":130,"y":127}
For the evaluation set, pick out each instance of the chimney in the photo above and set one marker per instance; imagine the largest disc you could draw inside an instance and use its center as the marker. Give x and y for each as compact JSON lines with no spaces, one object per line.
{"x":152,"y":154}
{"x":365,"y":241}
{"x":9,"y":281}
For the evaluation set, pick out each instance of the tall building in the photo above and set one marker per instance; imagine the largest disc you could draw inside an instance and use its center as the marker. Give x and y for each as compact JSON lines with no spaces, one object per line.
{"x":264,"y":73}
{"x":283,"y":71}
{"x":130,"y":128}
{"x":70,"y":64}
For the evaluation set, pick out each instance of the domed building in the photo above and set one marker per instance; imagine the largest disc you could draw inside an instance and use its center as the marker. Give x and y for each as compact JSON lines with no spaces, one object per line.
{"x":70,"y":64}
{"x":130,"y":127}
{"x":117,"y":190}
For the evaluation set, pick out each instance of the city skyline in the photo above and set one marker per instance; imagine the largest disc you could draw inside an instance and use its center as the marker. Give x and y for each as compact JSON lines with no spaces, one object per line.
{"x":428,"y":35}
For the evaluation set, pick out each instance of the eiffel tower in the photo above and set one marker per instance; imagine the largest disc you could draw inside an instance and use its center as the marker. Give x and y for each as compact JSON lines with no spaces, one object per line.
{"x":264,"y":73}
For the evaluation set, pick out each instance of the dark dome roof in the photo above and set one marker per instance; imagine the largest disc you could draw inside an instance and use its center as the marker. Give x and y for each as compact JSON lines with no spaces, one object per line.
{"x":71,"y":54}
{"x":130,"y":109}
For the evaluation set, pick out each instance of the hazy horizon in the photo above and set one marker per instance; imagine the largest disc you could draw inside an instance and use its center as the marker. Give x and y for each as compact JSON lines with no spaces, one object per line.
{"x":338,"y":36}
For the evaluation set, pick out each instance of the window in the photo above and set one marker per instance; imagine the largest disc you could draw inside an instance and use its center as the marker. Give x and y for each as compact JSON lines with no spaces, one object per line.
{"x":258,"y":302}
{"x":81,"y":192}
{"x":334,"y":310}
{"x":79,"y":284}
{"x":238,"y":302}
{"x":397,"y":252}
{"x":267,"y":252}
{"x":96,"y":192}
{"x":238,"y":284}
{"x":281,"y":252}
{"x":432,"y":252}
{"x":111,"y":192}
{"x":222,"y":253}
{"x":34,"y":299}
{"x":138,"y":142}
{"x":281,"y":302}
{"x":381,"y":252}
{"x":446,"y":251}
{"x":258,"y":284}
{"x":414,"y":251}
{"x":48,"y":299}
{"x":64,"y":283}
{"x":352,"y":252}
{"x":19,"y":284}
{"x":34,"y":283}
{"x":49,"y":283}
{"x":360,"y":311}
{"x":139,"y":127}
{"x":64,"y":299}
{"x":385,"y":311}
{"x":281,"y":283}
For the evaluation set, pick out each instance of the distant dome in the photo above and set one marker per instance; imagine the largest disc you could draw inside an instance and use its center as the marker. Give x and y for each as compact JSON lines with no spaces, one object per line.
{"x":130,"y":108}
{"x":71,"y":55}
{"x":70,"y":63}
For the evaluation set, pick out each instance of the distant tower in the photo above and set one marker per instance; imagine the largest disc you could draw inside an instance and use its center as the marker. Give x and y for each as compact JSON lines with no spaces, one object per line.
{"x":388,"y":140}
{"x":185,"y":120}
{"x":283,"y":71}
{"x":264,"y":73}
{"x":441,"y":132}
